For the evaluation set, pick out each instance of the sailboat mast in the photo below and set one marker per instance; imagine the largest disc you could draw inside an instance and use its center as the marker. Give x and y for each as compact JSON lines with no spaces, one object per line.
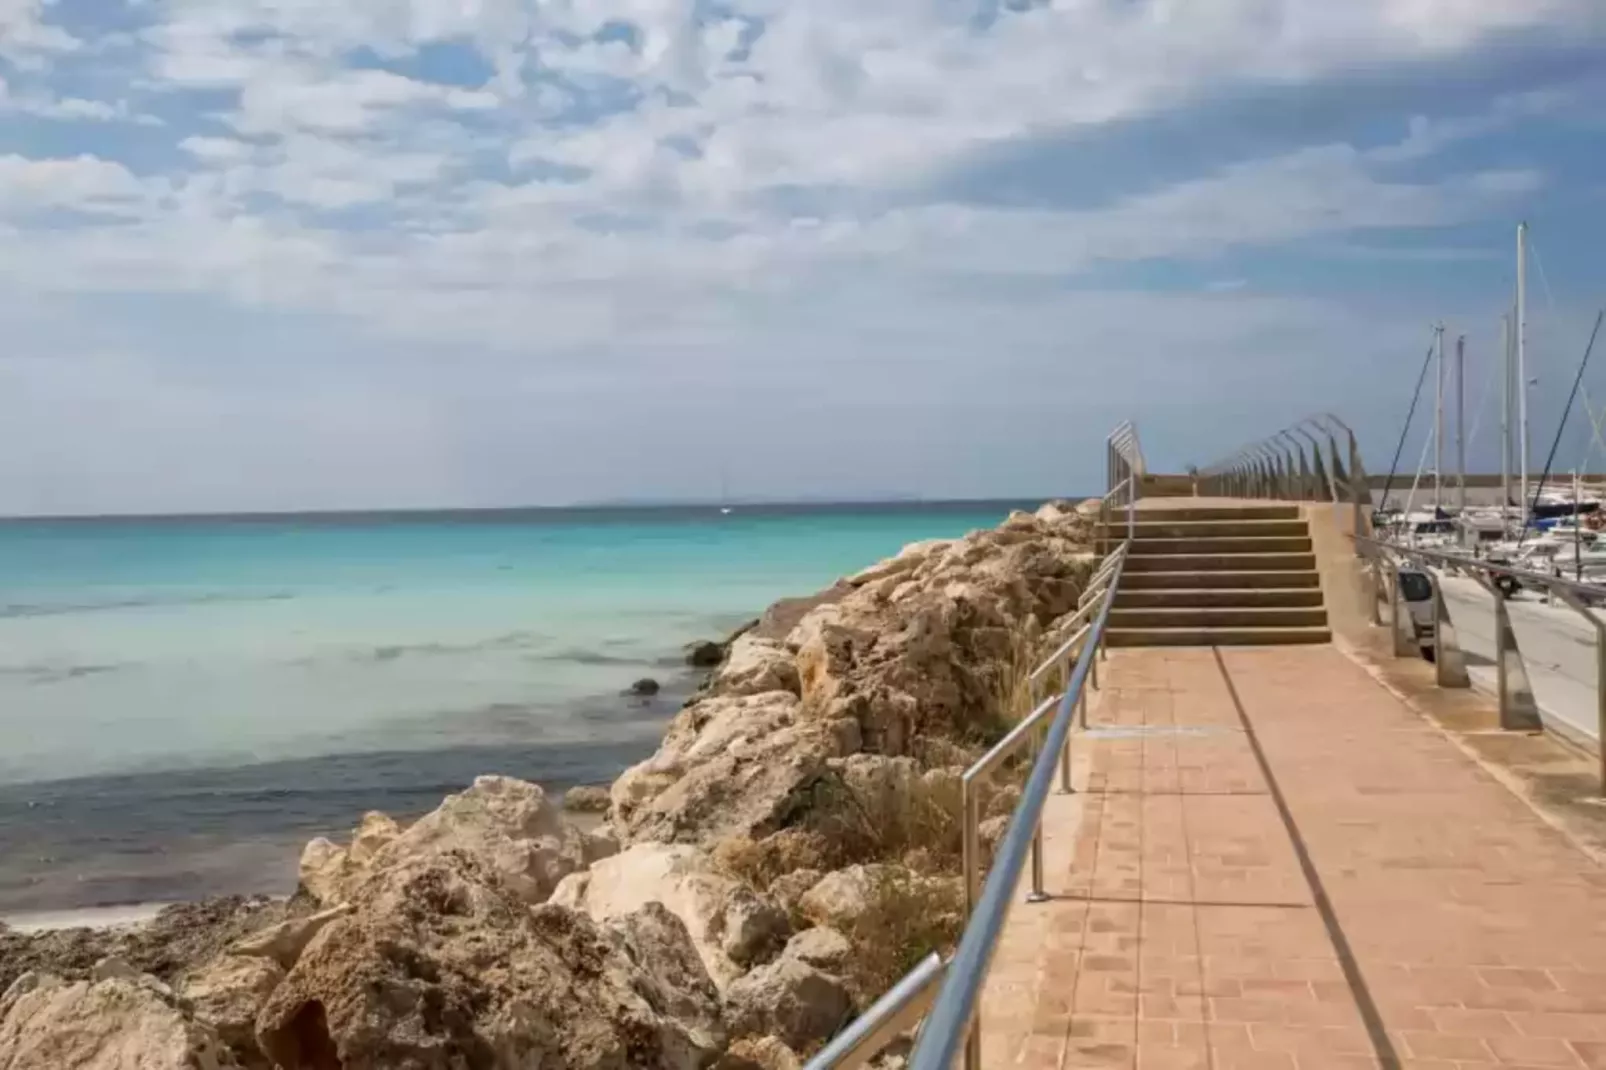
{"x":1438,"y":421}
{"x":1505,"y":423}
{"x":1461,"y":424}
{"x":1522,"y":362}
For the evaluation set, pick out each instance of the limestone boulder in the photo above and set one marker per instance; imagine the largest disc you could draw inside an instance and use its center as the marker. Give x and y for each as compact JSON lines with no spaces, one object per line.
{"x":840,"y":899}
{"x":754,"y":666}
{"x":821,"y":947}
{"x":327,"y":868}
{"x":586,"y":799}
{"x":116,"y":1023}
{"x":789,"y":888}
{"x":729,"y":765}
{"x":227,"y":994}
{"x":510,"y":823}
{"x":443,"y":964}
{"x":790,"y":1000}
{"x":284,"y":942}
{"x":729,"y":925}
{"x":759,"y":1053}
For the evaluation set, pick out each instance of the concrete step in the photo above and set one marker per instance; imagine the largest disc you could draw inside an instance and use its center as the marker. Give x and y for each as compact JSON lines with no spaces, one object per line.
{"x":1217,"y":597}
{"x":1194,"y":579}
{"x":1208,"y":529}
{"x":1217,"y":636}
{"x":1170,"y":514}
{"x":1214,"y":617}
{"x":1220,"y":562}
{"x":1276,"y":544}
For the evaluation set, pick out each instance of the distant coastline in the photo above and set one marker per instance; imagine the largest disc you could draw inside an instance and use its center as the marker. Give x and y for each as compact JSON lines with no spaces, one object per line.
{"x":600,"y":510}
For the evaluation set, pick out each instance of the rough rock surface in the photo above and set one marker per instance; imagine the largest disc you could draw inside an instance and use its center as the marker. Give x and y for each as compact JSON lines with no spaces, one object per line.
{"x":789,"y":999}
{"x":914,"y":657}
{"x":841,"y":898}
{"x":228,"y":993}
{"x":586,"y":799}
{"x":442,"y":964}
{"x":731,"y":927}
{"x":120,"y":1023}
{"x":754,"y":666}
{"x":759,"y":1053}
{"x":704,"y":654}
{"x":821,"y":947}
{"x":180,"y":937}
{"x":284,"y":942}
{"x":729,"y":765}
{"x":510,"y":823}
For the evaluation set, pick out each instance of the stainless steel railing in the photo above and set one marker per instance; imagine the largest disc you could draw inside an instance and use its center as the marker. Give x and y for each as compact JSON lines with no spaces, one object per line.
{"x":1123,"y":462}
{"x":1279,"y":467}
{"x":1518,"y":709}
{"x":952,"y":1024}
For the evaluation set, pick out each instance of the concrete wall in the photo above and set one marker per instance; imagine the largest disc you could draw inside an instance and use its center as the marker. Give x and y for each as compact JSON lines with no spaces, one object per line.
{"x":1346,"y":588}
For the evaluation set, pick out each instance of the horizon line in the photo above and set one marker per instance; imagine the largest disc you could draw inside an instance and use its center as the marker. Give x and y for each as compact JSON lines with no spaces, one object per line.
{"x":601,"y":506}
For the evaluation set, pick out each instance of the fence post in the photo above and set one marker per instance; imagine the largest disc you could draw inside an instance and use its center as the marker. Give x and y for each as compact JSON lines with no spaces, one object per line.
{"x":1450,"y":665}
{"x":1518,"y":710}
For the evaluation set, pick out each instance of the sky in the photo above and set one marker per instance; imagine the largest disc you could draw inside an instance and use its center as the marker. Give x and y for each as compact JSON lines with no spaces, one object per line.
{"x":294,"y":254}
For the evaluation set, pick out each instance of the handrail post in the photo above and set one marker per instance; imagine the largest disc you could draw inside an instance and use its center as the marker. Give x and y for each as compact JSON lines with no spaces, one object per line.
{"x":1037,"y":894}
{"x":1064,"y":682}
{"x":1450,"y":666}
{"x":1578,"y":606}
{"x":1518,"y":710}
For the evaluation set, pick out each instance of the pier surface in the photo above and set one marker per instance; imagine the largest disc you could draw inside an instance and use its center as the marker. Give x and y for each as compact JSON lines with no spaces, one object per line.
{"x":1272,"y":862}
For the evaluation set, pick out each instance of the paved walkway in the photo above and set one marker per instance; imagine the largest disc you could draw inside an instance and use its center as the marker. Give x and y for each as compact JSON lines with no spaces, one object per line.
{"x":1276,"y":865}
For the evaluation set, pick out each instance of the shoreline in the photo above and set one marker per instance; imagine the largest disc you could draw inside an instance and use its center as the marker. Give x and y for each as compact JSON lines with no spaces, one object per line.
{"x":768,"y":870}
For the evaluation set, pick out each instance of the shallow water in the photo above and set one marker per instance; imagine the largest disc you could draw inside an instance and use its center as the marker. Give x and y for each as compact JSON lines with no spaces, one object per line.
{"x":184,"y":702}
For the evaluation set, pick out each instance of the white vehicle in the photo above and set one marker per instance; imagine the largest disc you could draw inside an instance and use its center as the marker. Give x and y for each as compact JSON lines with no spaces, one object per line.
{"x":1416,"y":592}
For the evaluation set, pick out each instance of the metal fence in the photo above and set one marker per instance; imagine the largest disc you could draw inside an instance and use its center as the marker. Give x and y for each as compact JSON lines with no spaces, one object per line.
{"x":1514,"y":689}
{"x":1280,"y":467}
{"x":951,"y":990}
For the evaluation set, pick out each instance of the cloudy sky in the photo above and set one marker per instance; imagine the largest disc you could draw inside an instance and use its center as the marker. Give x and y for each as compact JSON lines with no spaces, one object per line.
{"x":309,"y":254}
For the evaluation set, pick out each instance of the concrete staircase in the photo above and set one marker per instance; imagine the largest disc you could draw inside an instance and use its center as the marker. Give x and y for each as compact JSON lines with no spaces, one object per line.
{"x":1220,"y":575}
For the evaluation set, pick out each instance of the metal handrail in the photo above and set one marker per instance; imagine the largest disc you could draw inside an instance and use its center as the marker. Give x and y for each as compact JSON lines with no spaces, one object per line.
{"x":1279,"y":468}
{"x":887,"y":1018}
{"x":896,"y":1011}
{"x":1517,"y":709}
{"x":951,"y":1025}
{"x":873,"y":1030}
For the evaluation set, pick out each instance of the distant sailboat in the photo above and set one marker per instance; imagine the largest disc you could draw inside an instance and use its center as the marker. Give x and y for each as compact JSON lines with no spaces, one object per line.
{"x":724,"y":492}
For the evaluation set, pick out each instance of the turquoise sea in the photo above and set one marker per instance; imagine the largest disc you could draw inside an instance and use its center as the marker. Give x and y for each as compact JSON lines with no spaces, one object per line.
{"x":184,"y":701}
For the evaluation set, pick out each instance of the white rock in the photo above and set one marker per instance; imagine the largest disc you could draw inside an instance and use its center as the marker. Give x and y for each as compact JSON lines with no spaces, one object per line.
{"x":841,"y":898}
{"x":510,"y":823}
{"x":821,"y":947}
{"x":375,"y":832}
{"x":729,"y":926}
{"x":228,"y":992}
{"x":754,"y":666}
{"x":759,"y":1053}
{"x":284,"y":942}
{"x":718,"y":726}
{"x":116,"y":1024}
{"x":788,"y":999}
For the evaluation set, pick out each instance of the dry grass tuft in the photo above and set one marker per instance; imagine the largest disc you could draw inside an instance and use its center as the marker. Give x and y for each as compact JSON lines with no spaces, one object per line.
{"x":908,"y":917}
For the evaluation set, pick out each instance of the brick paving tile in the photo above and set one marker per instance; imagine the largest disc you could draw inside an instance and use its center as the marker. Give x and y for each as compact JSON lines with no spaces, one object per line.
{"x":1370,"y":904}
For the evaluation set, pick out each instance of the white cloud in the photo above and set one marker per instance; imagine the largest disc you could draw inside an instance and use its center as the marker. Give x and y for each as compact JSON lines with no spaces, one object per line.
{"x":85,"y":182}
{"x":718,"y":194}
{"x":26,"y":38}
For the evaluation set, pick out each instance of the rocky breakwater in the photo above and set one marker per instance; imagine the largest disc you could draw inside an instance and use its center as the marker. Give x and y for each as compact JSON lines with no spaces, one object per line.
{"x":789,"y":851}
